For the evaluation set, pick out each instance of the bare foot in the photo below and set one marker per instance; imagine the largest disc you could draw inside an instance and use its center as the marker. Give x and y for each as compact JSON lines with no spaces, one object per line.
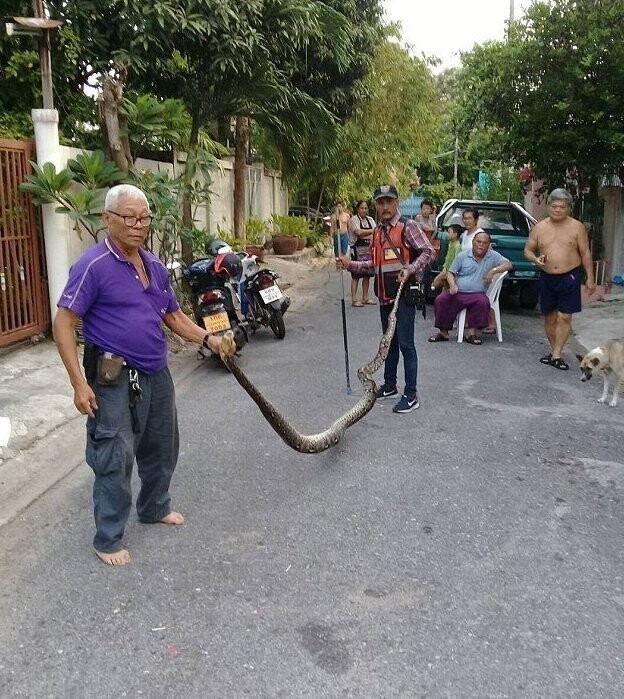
{"x":173,"y":518}
{"x":119,"y":558}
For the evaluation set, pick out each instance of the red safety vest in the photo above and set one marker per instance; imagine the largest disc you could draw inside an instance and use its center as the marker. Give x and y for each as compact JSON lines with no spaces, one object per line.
{"x":385,"y":262}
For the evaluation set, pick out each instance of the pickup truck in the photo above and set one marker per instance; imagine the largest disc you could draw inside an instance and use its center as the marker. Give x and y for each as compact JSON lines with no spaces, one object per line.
{"x":508,"y":224}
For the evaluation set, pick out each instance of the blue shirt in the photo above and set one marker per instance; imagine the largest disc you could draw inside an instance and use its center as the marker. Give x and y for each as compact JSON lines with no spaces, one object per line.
{"x":118,"y":314}
{"x":469,"y":271}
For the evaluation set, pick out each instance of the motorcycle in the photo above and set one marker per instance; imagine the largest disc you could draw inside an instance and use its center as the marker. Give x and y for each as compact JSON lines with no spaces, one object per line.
{"x":265,"y":300}
{"x":213,"y":303}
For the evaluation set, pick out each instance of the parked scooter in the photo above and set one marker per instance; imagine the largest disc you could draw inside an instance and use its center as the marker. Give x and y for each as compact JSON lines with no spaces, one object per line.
{"x":266,"y":304}
{"x":213,"y":303}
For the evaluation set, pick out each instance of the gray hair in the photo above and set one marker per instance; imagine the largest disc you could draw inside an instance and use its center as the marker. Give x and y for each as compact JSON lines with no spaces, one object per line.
{"x":119,"y":191}
{"x":560,"y":194}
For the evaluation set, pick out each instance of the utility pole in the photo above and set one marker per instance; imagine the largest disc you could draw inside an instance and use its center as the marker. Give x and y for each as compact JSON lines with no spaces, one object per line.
{"x":511,"y":12}
{"x":455,"y":164}
{"x":45,"y":60}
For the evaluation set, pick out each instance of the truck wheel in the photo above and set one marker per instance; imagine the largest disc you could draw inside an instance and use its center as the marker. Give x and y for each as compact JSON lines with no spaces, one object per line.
{"x":528,"y":296}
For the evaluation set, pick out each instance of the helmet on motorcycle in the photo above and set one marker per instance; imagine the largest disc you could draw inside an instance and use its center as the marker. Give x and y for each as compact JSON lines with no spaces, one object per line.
{"x":230,"y":264}
{"x":216,"y":246}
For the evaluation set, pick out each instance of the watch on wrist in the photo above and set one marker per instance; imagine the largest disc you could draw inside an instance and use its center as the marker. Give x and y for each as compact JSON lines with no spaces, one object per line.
{"x":207,"y":336}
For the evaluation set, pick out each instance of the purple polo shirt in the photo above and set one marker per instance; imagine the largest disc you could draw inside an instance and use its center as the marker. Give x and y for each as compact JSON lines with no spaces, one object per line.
{"x":118,"y":314}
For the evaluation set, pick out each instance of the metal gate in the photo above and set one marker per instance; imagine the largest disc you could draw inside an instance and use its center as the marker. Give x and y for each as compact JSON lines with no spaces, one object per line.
{"x":24,"y":308}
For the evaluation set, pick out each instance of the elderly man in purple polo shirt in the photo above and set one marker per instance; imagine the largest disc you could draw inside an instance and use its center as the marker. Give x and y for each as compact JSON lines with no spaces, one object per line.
{"x":123,"y":295}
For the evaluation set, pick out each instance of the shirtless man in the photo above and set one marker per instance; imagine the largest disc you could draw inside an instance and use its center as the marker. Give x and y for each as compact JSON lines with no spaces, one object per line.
{"x":564,"y":253}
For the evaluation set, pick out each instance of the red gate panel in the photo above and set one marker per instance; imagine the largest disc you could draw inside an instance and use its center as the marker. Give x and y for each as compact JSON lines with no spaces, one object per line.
{"x":24,"y":308}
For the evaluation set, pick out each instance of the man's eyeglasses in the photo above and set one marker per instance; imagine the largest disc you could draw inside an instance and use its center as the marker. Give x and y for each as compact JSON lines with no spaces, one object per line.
{"x":131,"y":221}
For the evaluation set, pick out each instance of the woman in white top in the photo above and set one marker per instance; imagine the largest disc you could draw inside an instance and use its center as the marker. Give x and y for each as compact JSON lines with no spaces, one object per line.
{"x":470,"y":219}
{"x":361,"y":227}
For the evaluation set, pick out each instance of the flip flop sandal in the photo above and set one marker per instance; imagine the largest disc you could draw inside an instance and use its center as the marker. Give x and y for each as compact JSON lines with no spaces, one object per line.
{"x":546,"y":359}
{"x":438,"y":338}
{"x":473,"y":340}
{"x":489,"y":331}
{"x":559,"y":364}
{"x":370,"y":302}
{"x":357,"y":304}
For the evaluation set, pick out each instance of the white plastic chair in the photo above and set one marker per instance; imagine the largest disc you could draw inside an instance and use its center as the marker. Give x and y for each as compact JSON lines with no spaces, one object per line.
{"x":493,"y":294}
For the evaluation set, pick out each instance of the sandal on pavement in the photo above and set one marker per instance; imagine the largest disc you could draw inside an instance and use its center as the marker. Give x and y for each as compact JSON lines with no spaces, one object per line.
{"x":438,"y":338}
{"x":370,"y":302}
{"x":474,"y":340}
{"x":558,"y":363}
{"x":546,"y":359}
{"x":357,"y":304}
{"x":489,"y":331}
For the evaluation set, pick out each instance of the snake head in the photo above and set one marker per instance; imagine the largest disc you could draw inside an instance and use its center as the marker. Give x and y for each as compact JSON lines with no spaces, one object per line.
{"x":228,"y":345}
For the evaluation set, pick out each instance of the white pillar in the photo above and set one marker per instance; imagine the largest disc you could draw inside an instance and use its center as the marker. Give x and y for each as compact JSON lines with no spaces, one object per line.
{"x":54,"y":225}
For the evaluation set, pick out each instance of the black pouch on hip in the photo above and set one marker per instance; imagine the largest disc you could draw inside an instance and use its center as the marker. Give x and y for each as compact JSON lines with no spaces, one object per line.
{"x":90,"y":359}
{"x":109,"y":368}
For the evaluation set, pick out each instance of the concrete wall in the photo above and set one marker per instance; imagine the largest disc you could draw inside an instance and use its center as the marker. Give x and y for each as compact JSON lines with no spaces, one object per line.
{"x":265,"y":195}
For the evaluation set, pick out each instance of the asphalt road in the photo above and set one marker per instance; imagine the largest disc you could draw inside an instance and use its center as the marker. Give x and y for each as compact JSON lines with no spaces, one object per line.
{"x":472,"y":548}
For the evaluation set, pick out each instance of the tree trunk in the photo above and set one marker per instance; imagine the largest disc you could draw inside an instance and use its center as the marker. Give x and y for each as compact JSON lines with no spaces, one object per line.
{"x":240,"y":163}
{"x":321,"y":192}
{"x":117,"y":147}
{"x":187,"y":211}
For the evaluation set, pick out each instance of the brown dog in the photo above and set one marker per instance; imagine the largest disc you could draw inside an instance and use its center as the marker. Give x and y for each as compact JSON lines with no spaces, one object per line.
{"x":608,"y":361}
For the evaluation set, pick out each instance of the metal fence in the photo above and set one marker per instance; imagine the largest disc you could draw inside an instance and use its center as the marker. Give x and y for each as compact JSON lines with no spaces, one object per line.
{"x":24,"y":309}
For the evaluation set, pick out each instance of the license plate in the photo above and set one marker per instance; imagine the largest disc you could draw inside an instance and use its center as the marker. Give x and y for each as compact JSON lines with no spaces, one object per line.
{"x":217,"y":322}
{"x":271,"y":293}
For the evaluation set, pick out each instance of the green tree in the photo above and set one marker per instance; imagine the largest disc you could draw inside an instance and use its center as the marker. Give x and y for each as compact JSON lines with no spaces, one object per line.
{"x":554,"y":90}
{"x":20,"y":83}
{"x":393,"y":128}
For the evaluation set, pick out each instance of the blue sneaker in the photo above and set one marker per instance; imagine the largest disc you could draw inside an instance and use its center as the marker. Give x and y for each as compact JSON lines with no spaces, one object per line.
{"x":406,"y":405}
{"x":387,"y":391}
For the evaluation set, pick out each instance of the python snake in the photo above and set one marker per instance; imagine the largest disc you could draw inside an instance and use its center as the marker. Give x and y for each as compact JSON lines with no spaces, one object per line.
{"x":316,"y":443}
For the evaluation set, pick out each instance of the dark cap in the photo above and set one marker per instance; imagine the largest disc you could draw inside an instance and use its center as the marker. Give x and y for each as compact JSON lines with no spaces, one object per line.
{"x":386,"y":190}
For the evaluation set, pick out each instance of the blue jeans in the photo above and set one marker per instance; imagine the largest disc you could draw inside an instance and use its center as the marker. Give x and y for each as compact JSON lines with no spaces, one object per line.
{"x":403,"y":339}
{"x":113,"y":445}
{"x":344,"y":244}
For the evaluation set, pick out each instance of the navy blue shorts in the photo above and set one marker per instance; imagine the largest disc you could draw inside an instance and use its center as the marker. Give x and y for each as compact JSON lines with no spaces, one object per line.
{"x":561,"y":292}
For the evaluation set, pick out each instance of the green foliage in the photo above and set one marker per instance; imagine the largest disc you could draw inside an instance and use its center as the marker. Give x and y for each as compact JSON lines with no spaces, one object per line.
{"x":503,"y":184}
{"x":91,"y":172}
{"x":393,"y":129}
{"x":16,"y":125}
{"x":341,"y":85}
{"x":46,"y":184}
{"x":554,"y":88}
{"x":256,"y":231}
{"x":291,"y":226}
{"x":155,"y":124}
{"x":164,"y":194}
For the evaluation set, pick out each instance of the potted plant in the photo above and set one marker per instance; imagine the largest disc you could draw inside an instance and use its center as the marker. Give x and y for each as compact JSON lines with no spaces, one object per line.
{"x":287,"y":232}
{"x":255,"y":237}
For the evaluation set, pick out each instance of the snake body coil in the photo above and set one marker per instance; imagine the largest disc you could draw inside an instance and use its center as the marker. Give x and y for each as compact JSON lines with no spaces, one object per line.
{"x":316,"y":443}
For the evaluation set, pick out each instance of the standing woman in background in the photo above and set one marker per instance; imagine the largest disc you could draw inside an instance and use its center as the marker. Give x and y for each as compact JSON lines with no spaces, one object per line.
{"x":340,"y":229}
{"x":361,"y":227}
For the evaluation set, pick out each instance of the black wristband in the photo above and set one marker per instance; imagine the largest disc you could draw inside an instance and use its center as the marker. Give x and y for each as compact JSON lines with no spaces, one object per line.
{"x":205,"y":340}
